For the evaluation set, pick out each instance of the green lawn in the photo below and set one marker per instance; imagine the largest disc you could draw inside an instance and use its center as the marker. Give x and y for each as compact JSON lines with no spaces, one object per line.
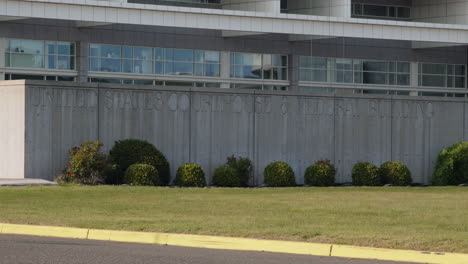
{"x":433,"y":218}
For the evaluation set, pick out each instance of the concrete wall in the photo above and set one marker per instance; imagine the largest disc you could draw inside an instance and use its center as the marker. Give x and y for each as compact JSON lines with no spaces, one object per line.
{"x":440,"y":11}
{"x":12,"y":129}
{"x":207,"y":125}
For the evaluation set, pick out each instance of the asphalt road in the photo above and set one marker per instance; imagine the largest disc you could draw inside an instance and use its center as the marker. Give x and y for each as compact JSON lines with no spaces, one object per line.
{"x":41,"y":250}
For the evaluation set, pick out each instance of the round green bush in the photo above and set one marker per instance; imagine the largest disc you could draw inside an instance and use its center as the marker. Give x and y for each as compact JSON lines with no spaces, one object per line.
{"x":395,"y":173}
{"x":190,"y":174}
{"x":142,"y":174}
{"x":322,"y":173}
{"x":131,"y":151}
{"x":226,"y":176}
{"x":452,"y":165}
{"x":113,"y":174}
{"x":365,"y":173}
{"x":278,"y":174}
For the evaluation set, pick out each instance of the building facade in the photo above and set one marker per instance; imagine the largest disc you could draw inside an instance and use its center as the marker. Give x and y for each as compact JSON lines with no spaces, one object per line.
{"x":382,"y":46}
{"x":386,"y":48}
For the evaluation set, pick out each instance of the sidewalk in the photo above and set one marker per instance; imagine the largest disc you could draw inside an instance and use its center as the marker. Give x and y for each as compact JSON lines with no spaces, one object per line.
{"x":25,"y":182}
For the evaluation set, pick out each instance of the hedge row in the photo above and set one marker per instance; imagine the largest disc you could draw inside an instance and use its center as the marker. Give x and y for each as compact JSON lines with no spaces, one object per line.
{"x":138,"y":162}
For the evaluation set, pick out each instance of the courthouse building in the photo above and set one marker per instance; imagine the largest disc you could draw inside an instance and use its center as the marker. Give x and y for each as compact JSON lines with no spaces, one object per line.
{"x":406,"y":49}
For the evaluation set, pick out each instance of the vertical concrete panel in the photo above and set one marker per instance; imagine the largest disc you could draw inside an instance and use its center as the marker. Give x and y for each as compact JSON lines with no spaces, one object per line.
{"x":12,"y":130}
{"x":57,"y":118}
{"x":158,"y":116}
{"x":446,"y":128}
{"x":362,"y":133}
{"x":465,"y":138}
{"x":221,"y":126}
{"x":294,"y":129}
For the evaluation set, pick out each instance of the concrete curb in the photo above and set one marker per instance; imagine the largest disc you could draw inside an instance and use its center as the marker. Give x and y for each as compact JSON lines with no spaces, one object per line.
{"x":233,"y":243}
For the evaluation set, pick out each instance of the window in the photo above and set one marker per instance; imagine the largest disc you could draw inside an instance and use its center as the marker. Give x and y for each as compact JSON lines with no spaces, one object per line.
{"x":340,"y":70}
{"x":259,"y":66}
{"x":442,"y":75}
{"x":39,"y":54}
{"x":258,"y":87}
{"x":390,"y":12}
{"x":144,"y":60}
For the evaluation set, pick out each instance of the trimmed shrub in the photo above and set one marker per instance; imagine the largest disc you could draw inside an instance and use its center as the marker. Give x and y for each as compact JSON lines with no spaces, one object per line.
{"x":226,"y":176}
{"x":113,"y":174}
{"x":243,"y":166}
{"x":278,"y":174}
{"x":142,"y":174}
{"x":322,"y":173}
{"x":365,"y":173}
{"x":86,"y":165}
{"x":452,"y":165}
{"x":190,"y":174}
{"x":131,"y":151}
{"x":395,"y":173}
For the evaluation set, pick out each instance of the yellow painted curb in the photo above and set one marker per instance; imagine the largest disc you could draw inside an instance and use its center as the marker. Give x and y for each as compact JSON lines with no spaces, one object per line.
{"x":45,"y":231}
{"x":233,"y":243}
{"x":398,"y":255}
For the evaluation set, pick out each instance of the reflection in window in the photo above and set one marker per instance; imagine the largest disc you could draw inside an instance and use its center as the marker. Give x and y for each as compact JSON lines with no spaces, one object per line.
{"x":259,"y":66}
{"x":144,"y":60}
{"x":340,"y":70}
{"x":39,"y":54}
{"x":389,"y":12}
{"x":442,"y":75}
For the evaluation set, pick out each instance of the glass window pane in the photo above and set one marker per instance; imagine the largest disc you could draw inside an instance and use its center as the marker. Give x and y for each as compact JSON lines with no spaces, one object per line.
{"x":181,"y":68}
{"x":95,"y":50}
{"x":127,"y":66}
{"x":248,"y":59}
{"x":344,"y":64}
{"x":403,"y":67}
{"x":375,"y":10}
{"x":127,"y":52}
{"x":460,"y":70}
{"x":168,"y":67}
{"x":357,"y":77}
{"x":110,"y":65}
{"x":65,"y":48}
{"x":145,"y":67}
{"x":27,"y":46}
{"x":404,"y":12}
{"x":451,"y":81}
{"x":140,"y":53}
{"x":7,"y":60}
{"x":27,"y":61}
{"x":199,"y":69}
{"x":379,"y":66}
{"x":450,"y":69}
{"x":460,"y":82}
{"x":51,"y":48}
{"x":7,"y":45}
{"x":429,"y":68}
{"x":199,"y":56}
{"x":183,"y":55}
{"x":266,"y":59}
{"x":433,"y":80}
{"x":109,"y":51}
{"x":268,"y":73}
{"x":319,"y":75}
{"x":212,"y":70}
{"x":65,"y":63}
{"x":51,"y":62}
{"x":212,"y":57}
{"x":253,"y":72}
{"x":159,"y":67}
{"x":392,"y":78}
{"x":391,"y":66}
{"x":305,"y":75}
{"x":65,"y":79}
{"x":403,"y":79}
{"x":95,"y":64}
{"x":159,"y":54}
{"x":374,"y":78}
{"x":143,"y":82}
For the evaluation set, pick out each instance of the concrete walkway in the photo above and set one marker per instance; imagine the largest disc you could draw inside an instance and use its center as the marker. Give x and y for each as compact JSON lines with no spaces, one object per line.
{"x":25,"y":182}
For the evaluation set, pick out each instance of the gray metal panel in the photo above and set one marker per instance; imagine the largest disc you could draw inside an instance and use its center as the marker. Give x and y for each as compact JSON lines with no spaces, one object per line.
{"x":57,"y":119}
{"x":160,"y":117}
{"x":363,"y":133}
